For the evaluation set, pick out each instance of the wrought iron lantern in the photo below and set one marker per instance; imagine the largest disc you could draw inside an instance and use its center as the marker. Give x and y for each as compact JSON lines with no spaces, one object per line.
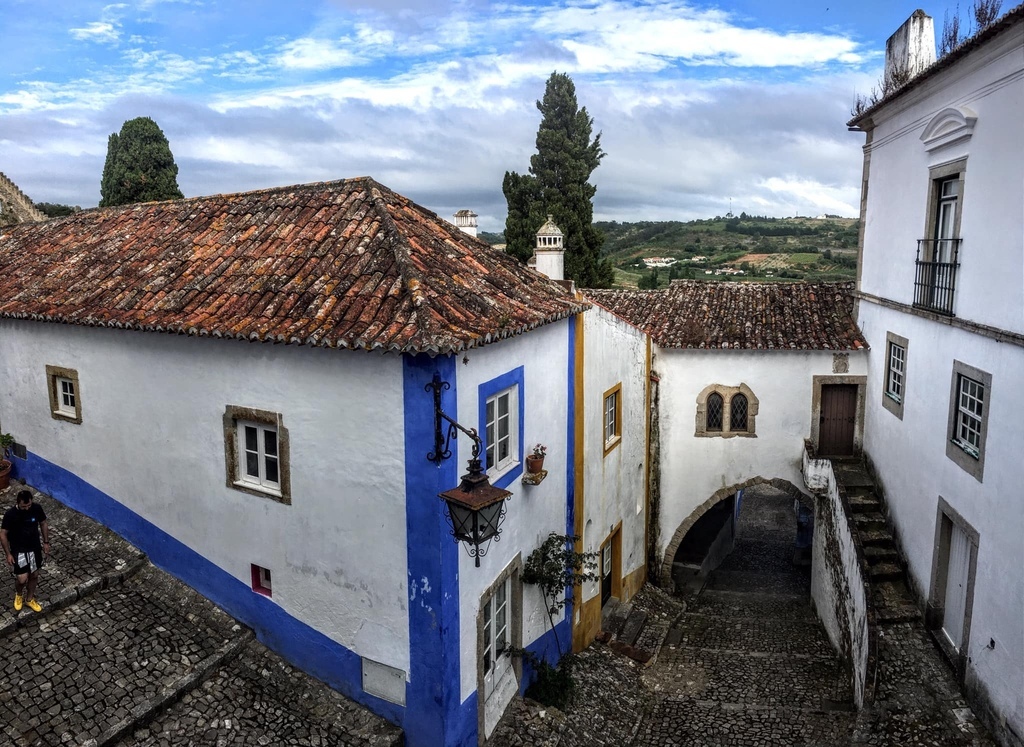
{"x":475,"y":508}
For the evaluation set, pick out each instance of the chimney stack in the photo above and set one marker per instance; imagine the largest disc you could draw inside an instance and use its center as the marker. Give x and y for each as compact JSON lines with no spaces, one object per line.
{"x":911,"y":49}
{"x":466,"y":220}
{"x":550,"y":251}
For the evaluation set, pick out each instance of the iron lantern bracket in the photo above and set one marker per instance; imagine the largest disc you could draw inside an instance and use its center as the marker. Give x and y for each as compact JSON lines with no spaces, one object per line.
{"x":443,"y":435}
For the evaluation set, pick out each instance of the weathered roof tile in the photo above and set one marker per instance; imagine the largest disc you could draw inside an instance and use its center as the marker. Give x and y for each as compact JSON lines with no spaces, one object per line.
{"x":342,"y":264}
{"x":733,"y":315}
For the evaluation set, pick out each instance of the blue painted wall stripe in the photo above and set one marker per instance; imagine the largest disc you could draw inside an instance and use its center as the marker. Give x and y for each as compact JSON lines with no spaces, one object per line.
{"x":298,"y":643}
{"x":434,"y":715}
{"x":515,"y":377}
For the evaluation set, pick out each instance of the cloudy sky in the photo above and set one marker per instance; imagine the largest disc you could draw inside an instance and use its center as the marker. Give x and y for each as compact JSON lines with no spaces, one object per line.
{"x":698,"y":102}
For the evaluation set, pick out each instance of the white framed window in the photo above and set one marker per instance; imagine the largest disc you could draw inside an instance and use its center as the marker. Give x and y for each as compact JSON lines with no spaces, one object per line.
{"x":259,"y":459}
{"x":66,"y":396}
{"x":502,"y":425}
{"x":895,"y":372}
{"x":499,"y":628}
{"x":64,"y":393}
{"x":970,"y":407}
{"x":612,"y":410}
{"x":970,"y":402}
{"x":256,"y":452}
{"x":496,"y":636}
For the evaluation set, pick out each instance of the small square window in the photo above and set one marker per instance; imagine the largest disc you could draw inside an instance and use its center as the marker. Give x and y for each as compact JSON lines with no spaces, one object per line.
{"x":894,"y":377}
{"x":256,"y":452}
{"x":612,"y":417}
{"x":261,"y":582}
{"x":64,"y":394}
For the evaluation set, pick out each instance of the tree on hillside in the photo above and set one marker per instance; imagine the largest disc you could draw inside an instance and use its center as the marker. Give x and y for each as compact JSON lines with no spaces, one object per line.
{"x":558,"y":185}
{"x":139,"y":166}
{"x":56,"y":209}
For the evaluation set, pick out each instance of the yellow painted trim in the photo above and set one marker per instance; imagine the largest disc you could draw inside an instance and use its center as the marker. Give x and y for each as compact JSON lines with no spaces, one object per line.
{"x":635,"y":581}
{"x":610,"y":444}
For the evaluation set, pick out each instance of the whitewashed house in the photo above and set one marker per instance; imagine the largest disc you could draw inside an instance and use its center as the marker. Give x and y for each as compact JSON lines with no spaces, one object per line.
{"x":745,"y":373}
{"x":244,"y":386}
{"x":941,"y":302}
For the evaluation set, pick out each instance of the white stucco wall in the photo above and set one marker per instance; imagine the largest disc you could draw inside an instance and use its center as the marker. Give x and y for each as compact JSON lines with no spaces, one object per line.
{"x":614,"y":483}
{"x":152,"y":438}
{"x":910,"y":458}
{"x":989,"y":84}
{"x":694,"y":468}
{"x":533,"y":511}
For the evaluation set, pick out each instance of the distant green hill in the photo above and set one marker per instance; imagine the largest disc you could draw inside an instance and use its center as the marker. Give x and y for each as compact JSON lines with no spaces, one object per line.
{"x":731,"y":248}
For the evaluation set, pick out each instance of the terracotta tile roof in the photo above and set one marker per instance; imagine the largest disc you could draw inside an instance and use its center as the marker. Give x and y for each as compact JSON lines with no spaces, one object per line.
{"x":730,"y":315}
{"x":347,"y":264}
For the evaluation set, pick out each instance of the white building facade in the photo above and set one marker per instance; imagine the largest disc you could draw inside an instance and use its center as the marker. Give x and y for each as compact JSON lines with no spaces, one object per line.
{"x":941,"y":302}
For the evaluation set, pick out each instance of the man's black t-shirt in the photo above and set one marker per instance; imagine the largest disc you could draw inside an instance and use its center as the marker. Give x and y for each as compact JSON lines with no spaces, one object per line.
{"x":23,"y":528}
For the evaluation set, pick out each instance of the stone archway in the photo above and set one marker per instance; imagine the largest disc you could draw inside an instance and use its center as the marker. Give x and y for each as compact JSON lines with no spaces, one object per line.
{"x":665,"y":573}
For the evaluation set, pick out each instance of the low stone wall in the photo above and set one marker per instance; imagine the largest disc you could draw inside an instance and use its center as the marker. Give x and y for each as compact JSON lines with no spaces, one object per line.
{"x":839,"y":577}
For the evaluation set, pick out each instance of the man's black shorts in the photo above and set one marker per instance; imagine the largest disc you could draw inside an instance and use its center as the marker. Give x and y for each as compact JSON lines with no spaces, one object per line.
{"x":27,"y":562}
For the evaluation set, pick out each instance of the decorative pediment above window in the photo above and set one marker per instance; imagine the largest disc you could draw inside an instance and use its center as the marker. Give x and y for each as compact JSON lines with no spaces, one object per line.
{"x":951,"y":125}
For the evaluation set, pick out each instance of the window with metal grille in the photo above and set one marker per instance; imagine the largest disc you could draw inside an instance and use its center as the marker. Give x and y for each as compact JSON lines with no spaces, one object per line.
{"x":714,"y":412}
{"x":970,"y":407}
{"x":738,"y":413}
{"x":897,"y":367}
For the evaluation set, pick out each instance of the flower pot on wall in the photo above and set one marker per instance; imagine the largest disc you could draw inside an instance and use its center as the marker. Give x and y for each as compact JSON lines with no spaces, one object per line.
{"x":534,"y":464}
{"x":5,"y":474}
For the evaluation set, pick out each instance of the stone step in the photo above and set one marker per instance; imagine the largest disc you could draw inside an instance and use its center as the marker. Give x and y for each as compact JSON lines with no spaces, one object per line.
{"x":614,"y":616}
{"x":798,"y":581}
{"x":305,"y":711}
{"x":881,"y":553}
{"x":893,"y":602}
{"x":86,"y":668}
{"x":852,"y":475}
{"x":868,"y":503}
{"x":633,"y":626}
{"x":763,"y":635}
{"x":869,"y":520}
{"x":886,"y":571}
{"x":732,"y":604}
{"x":752,"y":678}
{"x":688,"y":721}
{"x":876,"y":536}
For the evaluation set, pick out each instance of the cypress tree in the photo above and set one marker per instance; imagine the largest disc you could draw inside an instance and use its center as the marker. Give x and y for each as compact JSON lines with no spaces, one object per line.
{"x":139,"y":167}
{"x":558,"y":185}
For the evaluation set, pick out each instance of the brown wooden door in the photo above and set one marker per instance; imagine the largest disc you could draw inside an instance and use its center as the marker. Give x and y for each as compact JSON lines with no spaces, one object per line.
{"x":606,"y":573}
{"x":838,"y":419}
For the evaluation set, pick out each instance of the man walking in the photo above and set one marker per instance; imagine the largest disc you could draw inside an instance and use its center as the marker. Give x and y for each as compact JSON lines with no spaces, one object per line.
{"x":19,"y":535}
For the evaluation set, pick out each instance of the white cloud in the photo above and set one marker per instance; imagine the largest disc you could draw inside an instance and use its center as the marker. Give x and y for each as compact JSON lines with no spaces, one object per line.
{"x":102,"y":32}
{"x":316,"y":54}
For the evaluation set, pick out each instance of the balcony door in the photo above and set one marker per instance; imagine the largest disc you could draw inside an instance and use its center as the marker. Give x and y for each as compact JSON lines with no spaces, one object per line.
{"x":948,"y":194}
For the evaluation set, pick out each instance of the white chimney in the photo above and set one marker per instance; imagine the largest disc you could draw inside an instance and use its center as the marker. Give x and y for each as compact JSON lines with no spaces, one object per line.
{"x":550,"y":251}
{"x":466,"y":220}
{"x":911,"y":49}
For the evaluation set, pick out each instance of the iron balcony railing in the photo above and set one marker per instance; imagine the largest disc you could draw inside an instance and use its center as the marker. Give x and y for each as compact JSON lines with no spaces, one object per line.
{"x":935,"y":284}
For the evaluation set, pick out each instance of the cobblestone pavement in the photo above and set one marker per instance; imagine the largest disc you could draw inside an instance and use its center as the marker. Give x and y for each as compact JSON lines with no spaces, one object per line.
{"x":745,"y":662}
{"x":125,"y":654}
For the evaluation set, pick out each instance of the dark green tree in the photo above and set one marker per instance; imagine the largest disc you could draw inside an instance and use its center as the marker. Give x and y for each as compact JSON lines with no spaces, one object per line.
{"x":558,"y":185}
{"x":140,"y":166}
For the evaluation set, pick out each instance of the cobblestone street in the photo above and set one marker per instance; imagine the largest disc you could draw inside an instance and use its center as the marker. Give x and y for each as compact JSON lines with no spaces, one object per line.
{"x":123,"y":654}
{"x":746,"y":663}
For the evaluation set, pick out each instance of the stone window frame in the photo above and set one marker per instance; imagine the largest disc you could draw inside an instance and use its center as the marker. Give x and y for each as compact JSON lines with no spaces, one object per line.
{"x":611,"y":440}
{"x":968,"y":462}
{"x":817,"y":382}
{"x":946,"y":518}
{"x":889,"y":402}
{"x":53,"y":373}
{"x":513,"y":570}
{"x":726,"y":393}
{"x":233,"y":415}
{"x":936,"y":176}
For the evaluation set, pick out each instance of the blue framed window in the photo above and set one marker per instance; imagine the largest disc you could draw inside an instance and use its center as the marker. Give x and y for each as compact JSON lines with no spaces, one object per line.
{"x":502,"y":404}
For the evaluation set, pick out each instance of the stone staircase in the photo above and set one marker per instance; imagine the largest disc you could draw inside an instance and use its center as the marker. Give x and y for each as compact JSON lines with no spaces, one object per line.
{"x":622,"y":627}
{"x":893,"y":601}
{"x":124,"y":654}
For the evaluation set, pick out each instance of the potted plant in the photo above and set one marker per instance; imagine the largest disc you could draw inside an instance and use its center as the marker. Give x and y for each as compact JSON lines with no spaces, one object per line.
{"x":535,"y":461}
{"x":6,"y":442}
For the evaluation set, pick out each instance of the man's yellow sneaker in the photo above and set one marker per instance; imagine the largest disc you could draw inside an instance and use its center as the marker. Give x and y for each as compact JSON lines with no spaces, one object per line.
{"x":17,"y":602}
{"x":35,"y":606}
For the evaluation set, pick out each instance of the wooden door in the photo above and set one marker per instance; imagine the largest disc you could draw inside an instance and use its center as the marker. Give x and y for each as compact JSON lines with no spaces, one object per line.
{"x":956,"y":587}
{"x":837,"y":420}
